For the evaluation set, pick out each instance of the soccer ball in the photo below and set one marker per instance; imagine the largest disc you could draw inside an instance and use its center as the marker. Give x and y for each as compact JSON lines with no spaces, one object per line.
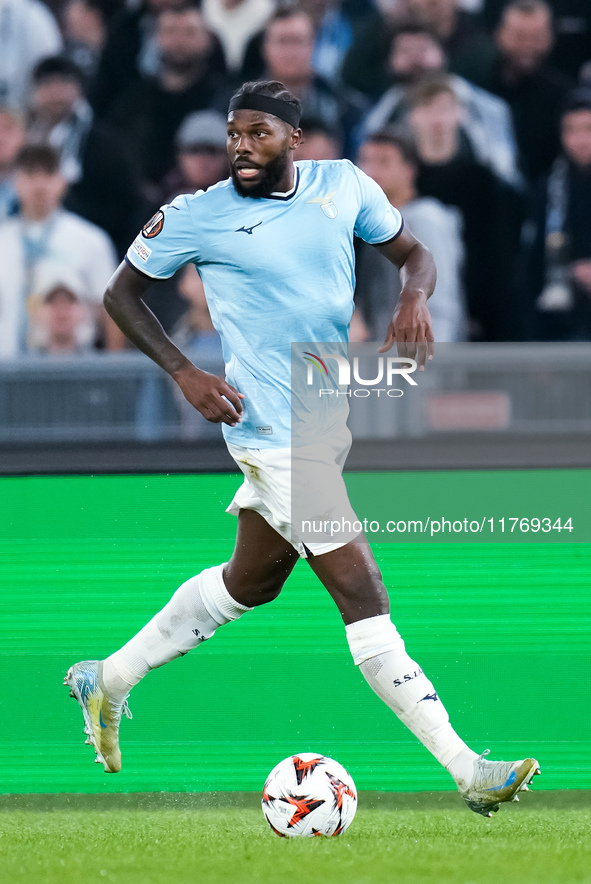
{"x":308,"y":795}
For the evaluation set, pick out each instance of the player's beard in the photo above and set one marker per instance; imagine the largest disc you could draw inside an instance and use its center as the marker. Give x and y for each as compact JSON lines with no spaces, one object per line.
{"x":273,"y":172}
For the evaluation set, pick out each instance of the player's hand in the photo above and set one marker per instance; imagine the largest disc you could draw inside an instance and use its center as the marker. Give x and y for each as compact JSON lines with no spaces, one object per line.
{"x":215,"y":399}
{"x":411,"y":330}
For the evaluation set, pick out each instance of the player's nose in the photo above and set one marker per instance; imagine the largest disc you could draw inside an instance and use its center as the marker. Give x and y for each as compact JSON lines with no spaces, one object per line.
{"x":242,"y":145}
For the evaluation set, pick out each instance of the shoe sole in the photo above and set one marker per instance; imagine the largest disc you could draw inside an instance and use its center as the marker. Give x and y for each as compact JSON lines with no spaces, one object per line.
{"x":487,"y":808}
{"x":70,"y":682}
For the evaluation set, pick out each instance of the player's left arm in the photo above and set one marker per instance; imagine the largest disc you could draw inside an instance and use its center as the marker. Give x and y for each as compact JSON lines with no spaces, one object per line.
{"x":113,"y":336}
{"x":411,"y":321}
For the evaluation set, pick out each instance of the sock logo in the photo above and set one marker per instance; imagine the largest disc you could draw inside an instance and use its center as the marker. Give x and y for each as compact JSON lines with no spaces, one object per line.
{"x":199,"y":635}
{"x":428,"y":697}
{"x":407,"y":677}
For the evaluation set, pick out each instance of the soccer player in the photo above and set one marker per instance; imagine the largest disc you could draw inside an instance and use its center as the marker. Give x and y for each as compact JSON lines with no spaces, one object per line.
{"x":274,"y":247}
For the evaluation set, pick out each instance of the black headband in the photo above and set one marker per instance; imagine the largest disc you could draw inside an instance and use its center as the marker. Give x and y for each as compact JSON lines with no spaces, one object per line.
{"x":267,"y":105}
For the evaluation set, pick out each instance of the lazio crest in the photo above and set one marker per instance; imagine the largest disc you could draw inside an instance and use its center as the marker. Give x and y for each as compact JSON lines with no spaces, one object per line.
{"x":326,"y":204}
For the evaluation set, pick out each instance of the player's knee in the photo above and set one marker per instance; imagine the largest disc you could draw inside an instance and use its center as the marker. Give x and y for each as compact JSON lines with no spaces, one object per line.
{"x":268,"y":589}
{"x":262,"y":595}
{"x":255,"y":592}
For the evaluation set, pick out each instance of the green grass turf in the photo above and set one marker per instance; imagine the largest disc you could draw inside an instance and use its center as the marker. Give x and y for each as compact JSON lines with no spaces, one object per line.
{"x":406,"y":841}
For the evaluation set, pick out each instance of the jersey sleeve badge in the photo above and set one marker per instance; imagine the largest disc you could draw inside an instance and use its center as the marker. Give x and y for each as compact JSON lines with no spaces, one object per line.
{"x":154,"y":225}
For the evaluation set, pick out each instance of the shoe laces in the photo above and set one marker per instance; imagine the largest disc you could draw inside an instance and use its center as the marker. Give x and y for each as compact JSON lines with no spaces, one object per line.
{"x":484,"y":770}
{"x":120,"y":709}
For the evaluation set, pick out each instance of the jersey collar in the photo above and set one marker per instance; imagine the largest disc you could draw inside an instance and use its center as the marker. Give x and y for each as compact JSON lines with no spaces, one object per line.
{"x":290,"y":193}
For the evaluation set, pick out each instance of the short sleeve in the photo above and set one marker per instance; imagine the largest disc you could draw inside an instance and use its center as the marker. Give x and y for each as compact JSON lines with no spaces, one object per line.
{"x":168,"y":241}
{"x":377,"y":220}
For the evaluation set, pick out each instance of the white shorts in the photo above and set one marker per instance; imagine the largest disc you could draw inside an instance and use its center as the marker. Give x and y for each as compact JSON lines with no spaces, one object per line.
{"x":282,"y":484}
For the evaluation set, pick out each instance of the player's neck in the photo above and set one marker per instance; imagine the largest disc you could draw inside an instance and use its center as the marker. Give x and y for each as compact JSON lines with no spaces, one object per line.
{"x":288,"y":179}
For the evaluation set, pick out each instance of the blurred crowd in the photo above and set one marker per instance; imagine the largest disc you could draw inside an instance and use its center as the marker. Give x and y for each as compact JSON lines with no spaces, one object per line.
{"x":474,"y":116}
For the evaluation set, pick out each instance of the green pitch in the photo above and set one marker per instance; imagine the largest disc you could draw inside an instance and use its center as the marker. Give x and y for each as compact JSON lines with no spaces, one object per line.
{"x":543,"y":841}
{"x":502,"y":630}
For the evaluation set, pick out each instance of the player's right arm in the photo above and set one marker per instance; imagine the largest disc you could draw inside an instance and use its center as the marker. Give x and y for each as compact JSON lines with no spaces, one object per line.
{"x":212,"y":396}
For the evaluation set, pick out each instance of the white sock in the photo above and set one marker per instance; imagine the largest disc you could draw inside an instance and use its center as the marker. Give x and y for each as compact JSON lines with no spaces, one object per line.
{"x":378,"y":650}
{"x":193,"y":614}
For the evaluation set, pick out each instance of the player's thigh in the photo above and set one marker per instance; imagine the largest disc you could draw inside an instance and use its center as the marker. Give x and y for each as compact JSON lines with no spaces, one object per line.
{"x":261,"y":562}
{"x":353,"y":579}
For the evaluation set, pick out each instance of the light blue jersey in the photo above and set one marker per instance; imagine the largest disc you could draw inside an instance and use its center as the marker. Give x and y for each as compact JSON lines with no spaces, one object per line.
{"x":275,"y":271}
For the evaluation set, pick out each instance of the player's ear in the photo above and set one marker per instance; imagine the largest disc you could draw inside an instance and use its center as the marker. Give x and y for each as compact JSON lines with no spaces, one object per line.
{"x":295,"y":138}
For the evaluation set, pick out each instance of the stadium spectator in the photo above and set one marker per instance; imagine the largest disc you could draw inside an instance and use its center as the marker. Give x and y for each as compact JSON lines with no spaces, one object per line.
{"x":486,"y":119}
{"x":235,"y":23}
{"x":390,"y":158}
{"x":59,"y":113}
{"x":521,"y":75}
{"x":572,"y":30}
{"x":151,"y":110}
{"x":28,"y":33}
{"x":364,"y":64}
{"x":491,"y":212}
{"x":333,"y":27}
{"x":557,"y":234}
{"x":288,"y":47}
{"x":85,"y":24}
{"x":466,"y":44}
{"x":131,"y":52}
{"x":319,"y":141}
{"x":60,"y":316}
{"x":104,"y":186}
{"x":43,"y":233}
{"x":12,"y":136}
{"x":202,"y":158}
{"x":333,"y":22}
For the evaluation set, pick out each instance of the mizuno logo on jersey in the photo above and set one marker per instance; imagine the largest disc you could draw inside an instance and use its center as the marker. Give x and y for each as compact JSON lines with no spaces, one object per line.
{"x":326,"y":204}
{"x":248,"y":229}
